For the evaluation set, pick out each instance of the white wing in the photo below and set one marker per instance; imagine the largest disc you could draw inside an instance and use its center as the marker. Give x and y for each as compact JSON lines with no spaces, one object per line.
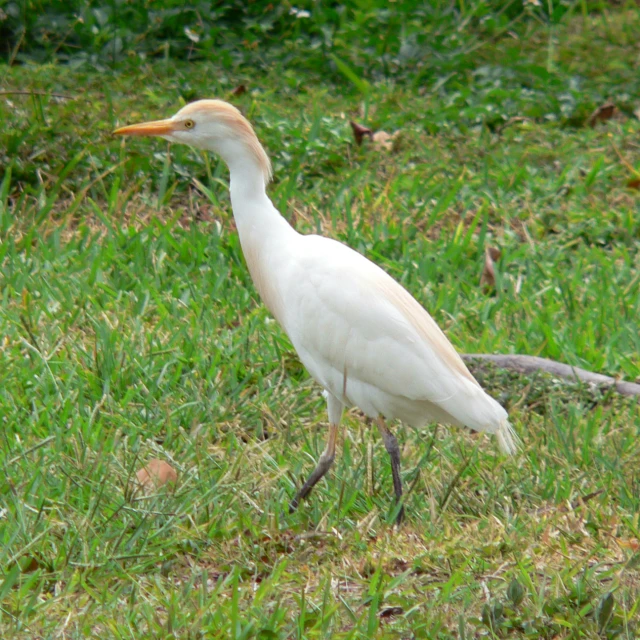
{"x":371,"y":344}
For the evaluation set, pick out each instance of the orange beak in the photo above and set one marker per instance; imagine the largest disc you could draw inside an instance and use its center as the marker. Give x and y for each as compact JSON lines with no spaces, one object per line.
{"x":156,"y":128}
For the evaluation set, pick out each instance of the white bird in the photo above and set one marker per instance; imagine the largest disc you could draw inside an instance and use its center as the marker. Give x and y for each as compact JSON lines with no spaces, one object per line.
{"x":358,"y":332}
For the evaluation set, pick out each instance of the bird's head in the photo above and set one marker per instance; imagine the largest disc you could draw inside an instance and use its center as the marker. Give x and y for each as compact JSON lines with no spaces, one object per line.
{"x":212,"y":125}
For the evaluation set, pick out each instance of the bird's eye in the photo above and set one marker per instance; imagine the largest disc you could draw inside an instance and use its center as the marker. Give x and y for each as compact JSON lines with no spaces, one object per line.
{"x":189,"y":124}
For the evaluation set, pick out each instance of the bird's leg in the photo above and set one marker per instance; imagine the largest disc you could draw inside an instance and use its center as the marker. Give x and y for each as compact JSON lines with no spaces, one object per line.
{"x":391,"y":445}
{"x":324,"y":464}
{"x":334,"y":409}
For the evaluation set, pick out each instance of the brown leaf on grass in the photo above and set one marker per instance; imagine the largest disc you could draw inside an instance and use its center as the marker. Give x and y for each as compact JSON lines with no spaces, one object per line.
{"x":602,"y":114}
{"x":203,"y":213}
{"x":30,"y":563}
{"x":360,"y":131}
{"x":383,"y":140}
{"x":488,"y":277}
{"x":397,"y":565}
{"x":631,"y":543}
{"x":239,"y":90}
{"x":582,"y":500}
{"x":156,"y":474}
{"x":390,"y":612}
{"x":634,"y":184}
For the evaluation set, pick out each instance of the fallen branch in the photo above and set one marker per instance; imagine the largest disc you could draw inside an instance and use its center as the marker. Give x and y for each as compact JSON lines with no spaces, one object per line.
{"x":511,"y":121}
{"x":36,"y":93}
{"x":532,"y":364}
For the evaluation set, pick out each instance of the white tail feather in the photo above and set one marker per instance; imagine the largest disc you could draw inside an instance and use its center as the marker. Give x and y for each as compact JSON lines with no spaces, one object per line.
{"x":508,"y":441}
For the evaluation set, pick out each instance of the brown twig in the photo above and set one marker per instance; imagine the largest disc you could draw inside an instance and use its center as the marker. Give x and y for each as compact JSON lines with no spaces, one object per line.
{"x":14,"y":53}
{"x":532,"y":364}
{"x":624,"y":161}
{"x":36,"y":93}
{"x":510,"y":121}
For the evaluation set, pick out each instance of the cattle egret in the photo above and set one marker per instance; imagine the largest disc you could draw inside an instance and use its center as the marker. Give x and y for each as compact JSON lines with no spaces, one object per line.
{"x":358,"y":332}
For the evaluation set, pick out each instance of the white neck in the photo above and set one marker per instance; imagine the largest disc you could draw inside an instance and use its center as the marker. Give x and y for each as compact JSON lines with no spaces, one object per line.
{"x":252,"y":209}
{"x":266,"y":237}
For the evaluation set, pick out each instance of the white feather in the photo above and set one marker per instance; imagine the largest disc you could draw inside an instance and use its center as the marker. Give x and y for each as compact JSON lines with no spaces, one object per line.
{"x":366,"y":340}
{"x":360,"y":334}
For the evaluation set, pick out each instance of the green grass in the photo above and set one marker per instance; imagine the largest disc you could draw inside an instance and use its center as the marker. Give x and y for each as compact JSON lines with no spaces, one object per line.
{"x":130,"y":330}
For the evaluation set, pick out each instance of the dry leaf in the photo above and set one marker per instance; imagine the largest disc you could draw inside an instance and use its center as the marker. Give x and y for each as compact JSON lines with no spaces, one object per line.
{"x":602,"y":114}
{"x":488,"y":277}
{"x":581,"y":500}
{"x":359,"y":131}
{"x":632,"y":543}
{"x":390,"y":612}
{"x":203,"y":213}
{"x":239,"y":90}
{"x":634,"y":184}
{"x":29,"y":563}
{"x":156,"y":474}
{"x":383,"y":140}
{"x":636,"y":113}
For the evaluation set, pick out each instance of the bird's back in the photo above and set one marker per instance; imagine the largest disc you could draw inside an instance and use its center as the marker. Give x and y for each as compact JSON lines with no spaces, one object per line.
{"x":372,"y":345}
